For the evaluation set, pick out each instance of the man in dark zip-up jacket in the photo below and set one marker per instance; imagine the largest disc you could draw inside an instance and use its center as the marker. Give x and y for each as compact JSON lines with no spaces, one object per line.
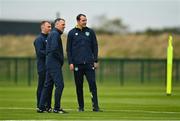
{"x":82,"y":46}
{"x":82,"y":52}
{"x":40,"y":48}
{"x":54,"y":63}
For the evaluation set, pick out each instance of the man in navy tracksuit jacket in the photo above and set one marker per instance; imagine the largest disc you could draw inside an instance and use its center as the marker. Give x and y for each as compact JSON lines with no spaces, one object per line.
{"x":54,"y":63}
{"x":82,"y":53}
{"x":40,"y":48}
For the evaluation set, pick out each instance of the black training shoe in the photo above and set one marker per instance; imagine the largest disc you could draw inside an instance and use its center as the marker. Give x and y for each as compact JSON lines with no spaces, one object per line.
{"x":81,"y":110}
{"x":40,"y":111}
{"x":60,"y":111}
{"x":97,"y":110}
{"x":49,"y":110}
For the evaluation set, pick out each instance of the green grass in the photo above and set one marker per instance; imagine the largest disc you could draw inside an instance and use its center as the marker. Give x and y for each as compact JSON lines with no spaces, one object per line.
{"x":118,"y":103}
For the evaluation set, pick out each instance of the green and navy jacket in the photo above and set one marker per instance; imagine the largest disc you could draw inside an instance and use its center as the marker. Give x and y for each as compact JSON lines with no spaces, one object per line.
{"x":82,"y":46}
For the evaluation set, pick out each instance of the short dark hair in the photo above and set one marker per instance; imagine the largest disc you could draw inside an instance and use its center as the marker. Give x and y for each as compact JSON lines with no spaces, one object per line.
{"x":58,"y":19}
{"x":43,"y":22}
{"x":78,"y":16}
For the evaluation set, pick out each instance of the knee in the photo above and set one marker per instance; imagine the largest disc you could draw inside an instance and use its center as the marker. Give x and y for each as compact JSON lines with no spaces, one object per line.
{"x":60,"y":86}
{"x":93,"y":88}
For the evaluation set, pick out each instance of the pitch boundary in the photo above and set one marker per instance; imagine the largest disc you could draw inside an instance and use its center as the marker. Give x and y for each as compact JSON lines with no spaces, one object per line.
{"x":104,"y":110}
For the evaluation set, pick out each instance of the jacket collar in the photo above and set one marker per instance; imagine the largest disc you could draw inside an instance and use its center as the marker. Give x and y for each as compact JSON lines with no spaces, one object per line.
{"x":80,"y":28}
{"x":45,"y":35}
{"x":59,"y":31}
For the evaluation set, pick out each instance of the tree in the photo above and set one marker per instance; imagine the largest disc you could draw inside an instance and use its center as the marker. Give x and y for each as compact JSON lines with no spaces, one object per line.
{"x":103,"y":25}
{"x":155,"y":31}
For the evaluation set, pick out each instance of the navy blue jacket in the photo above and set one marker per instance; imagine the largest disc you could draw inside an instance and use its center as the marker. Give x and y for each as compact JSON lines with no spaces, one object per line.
{"x":54,"y":50}
{"x":40,"y":48}
{"x":82,"y":46}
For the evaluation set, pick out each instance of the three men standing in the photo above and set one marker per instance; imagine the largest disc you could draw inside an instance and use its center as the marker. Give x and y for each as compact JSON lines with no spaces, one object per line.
{"x":82,"y":53}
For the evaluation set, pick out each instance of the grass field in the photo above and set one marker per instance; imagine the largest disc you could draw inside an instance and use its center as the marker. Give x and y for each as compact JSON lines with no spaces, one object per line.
{"x":118,"y":103}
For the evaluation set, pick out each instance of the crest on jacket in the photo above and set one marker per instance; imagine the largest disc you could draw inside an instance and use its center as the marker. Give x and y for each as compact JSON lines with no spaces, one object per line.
{"x":76,"y":33}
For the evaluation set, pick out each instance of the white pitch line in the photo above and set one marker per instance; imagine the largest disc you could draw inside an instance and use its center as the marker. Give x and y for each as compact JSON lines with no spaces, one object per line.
{"x":91,"y":120}
{"x":143,"y":111}
{"x":15,"y":108}
{"x":20,"y":108}
{"x":148,"y":111}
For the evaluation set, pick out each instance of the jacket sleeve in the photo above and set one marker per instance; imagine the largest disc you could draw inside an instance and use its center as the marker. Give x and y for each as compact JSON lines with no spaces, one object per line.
{"x":69,"y":48}
{"x":94,"y":46}
{"x":55,"y":46}
{"x":40,"y":48}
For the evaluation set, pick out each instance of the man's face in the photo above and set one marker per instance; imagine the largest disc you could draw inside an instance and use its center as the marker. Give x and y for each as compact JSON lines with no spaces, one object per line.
{"x":83,"y":21}
{"x":46,"y":27}
{"x":60,"y":25}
